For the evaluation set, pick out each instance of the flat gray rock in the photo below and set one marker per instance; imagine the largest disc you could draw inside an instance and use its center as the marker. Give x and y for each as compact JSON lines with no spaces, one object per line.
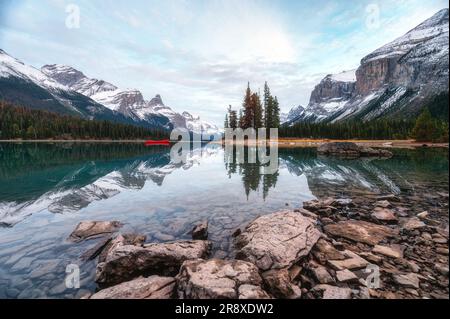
{"x":91,"y":229}
{"x":153,"y":287}
{"x":360,"y":231}
{"x":277,"y":240}
{"x":333,"y":292}
{"x":125,"y":262}
{"x":219,"y":279}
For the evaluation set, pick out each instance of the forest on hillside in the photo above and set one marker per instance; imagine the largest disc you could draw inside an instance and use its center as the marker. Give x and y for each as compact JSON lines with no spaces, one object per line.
{"x":431,"y":125}
{"x":257,"y":112}
{"x":18,"y":122}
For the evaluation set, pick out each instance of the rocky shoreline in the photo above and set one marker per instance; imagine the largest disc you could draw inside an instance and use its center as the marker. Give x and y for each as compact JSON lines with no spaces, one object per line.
{"x":334,"y":248}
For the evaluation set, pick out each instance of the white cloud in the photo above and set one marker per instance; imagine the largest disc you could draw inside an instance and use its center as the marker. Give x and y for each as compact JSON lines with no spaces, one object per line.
{"x":200,"y":54}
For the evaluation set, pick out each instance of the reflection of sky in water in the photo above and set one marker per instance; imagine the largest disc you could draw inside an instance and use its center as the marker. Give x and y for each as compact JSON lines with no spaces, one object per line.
{"x":151,"y":195}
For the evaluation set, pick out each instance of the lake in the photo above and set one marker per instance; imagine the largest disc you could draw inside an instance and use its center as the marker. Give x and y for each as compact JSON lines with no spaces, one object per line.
{"x":46,"y":189}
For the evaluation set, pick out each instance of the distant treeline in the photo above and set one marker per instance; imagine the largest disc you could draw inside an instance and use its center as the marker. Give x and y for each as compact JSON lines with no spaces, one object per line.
{"x":18,"y":122}
{"x":380,"y":129}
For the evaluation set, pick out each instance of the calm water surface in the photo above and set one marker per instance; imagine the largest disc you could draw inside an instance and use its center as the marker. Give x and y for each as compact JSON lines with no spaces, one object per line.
{"x":46,"y":189}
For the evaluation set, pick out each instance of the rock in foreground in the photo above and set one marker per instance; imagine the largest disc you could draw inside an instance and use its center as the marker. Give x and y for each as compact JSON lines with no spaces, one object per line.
{"x":125,"y":262}
{"x":90,"y":229}
{"x":153,"y":287}
{"x":219,"y":279}
{"x":360,"y":231}
{"x":277,"y":240}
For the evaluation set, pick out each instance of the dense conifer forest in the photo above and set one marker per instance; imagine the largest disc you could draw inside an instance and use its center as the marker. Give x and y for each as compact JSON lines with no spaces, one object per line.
{"x":17,"y":122}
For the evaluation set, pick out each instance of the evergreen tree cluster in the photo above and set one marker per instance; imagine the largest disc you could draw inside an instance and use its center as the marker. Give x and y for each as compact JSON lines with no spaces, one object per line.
{"x":429,"y":129}
{"x":379,"y":129}
{"x":22,"y":123}
{"x":425,"y":128}
{"x":254,"y":112}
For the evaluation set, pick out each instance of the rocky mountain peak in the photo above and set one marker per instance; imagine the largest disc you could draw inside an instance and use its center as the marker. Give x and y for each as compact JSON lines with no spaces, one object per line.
{"x":190,"y":117}
{"x":334,"y":86}
{"x":397,"y":79}
{"x":431,"y":28}
{"x":63,"y":74}
{"x":156,"y":101}
{"x":76,"y":80}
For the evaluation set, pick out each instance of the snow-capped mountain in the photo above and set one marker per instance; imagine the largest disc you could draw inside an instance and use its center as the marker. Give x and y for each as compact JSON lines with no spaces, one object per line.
{"x":194,"y":124}
{"x":396,"y":80}
{"x":11,"y":67}
{"x":292,"y":116}
{"x":27,"y":86}
{"x":328,"y":97}
{"x":129,"y":102}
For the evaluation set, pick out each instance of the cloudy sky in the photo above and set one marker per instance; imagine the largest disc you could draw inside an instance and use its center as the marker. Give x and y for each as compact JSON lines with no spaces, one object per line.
{"x":199,"y":55}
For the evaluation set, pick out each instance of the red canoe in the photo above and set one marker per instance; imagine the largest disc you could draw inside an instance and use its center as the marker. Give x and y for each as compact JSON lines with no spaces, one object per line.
{"x":158,"y":142}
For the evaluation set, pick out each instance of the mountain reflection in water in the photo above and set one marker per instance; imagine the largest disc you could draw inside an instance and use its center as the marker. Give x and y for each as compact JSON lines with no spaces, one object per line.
{"x":65,"y":178}
{"x":47,"y":189}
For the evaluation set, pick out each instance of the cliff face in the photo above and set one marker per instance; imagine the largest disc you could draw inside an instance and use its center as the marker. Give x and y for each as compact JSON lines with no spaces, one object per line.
{"x":328,"y":97}
{"x":329,"y":89}
{"x":373,"y":75}
{"x":395,"y":80}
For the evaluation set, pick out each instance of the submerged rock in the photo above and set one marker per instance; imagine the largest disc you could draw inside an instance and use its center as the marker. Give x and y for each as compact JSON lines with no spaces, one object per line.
{"x":153,"y":287}
{"x":361,"y":231}
{"x":90,"y":229}
{"x":277,"y":240}
{"x":200,"y":231}
{"x":219,"y":279}
{"x":124,"y":262}
{"x":96,"y":249}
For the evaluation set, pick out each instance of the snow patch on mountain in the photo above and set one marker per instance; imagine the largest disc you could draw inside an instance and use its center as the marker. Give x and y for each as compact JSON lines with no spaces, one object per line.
{"x":394,"y":80}
{"x":129,"y":102}
{"x":293,"y":115}
{"x":345,"y":76}
{"x":10,"y":66}
{"x":429,"y":29}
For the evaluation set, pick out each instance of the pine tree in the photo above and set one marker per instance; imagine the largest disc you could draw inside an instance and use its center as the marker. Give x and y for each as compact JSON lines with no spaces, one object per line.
{"x":275,"y":113}
{"x":425,"y":128}
{"x":267,"y":106}
{"x":258,"y":111}
{"x":241,"y":119}
{"x":226,"y":123}
{"x":248,"y":109}
{"x":232,"y":115}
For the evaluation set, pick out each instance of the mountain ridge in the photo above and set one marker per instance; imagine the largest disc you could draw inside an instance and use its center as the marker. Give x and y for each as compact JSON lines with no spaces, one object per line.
{"x":65,"y":90}
{"x":395,"y":81}
{"x":129,"y":102}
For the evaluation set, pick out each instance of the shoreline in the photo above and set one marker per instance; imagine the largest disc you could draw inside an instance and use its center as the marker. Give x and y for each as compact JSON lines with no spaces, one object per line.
{"x":282,"y":142}
{"x":323,"y":251}
{"x":297,"y":142}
